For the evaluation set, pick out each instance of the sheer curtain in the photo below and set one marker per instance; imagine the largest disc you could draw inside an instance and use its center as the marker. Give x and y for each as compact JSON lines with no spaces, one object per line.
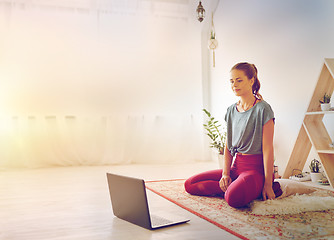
{"x":92,"y":82}
{"x":70,"y":140}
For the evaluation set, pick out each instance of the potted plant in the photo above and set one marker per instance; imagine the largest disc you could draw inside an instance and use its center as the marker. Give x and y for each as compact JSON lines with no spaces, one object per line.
{"x":325,"y":102}
{"x":216,"y":133}
{"x":315,"y":170}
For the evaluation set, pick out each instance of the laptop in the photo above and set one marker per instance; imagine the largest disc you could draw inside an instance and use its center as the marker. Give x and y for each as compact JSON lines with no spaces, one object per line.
{"x":129,"y":202}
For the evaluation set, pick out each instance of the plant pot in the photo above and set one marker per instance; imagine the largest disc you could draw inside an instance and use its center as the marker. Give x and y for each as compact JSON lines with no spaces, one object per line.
{"x":220,"y":160}
{"x":316,"y":176}
{"x":325,"y":106}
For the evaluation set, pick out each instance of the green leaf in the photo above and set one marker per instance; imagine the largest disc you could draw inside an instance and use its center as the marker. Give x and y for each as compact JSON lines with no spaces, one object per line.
{"x":207,"y":112}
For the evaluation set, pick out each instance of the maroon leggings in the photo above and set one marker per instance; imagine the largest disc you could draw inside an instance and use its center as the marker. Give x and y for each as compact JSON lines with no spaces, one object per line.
{"x":247,"y":174}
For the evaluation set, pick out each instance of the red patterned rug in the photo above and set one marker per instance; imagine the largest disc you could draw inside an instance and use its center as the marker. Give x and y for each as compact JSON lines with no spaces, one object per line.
{"x":241,"y":222}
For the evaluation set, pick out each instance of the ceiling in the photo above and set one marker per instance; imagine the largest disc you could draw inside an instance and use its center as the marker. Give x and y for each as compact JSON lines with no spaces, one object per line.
{"x":159,"y":8}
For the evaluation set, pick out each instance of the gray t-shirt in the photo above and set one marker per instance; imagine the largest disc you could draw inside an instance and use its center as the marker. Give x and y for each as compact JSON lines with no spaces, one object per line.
{"x":244,"y":129}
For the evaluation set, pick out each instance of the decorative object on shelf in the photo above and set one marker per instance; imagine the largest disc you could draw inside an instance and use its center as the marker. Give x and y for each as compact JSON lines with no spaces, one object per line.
{"x":301,"y":177}
{"x":276,"y":175}
{"x":200,"y":12}
{"x":323,"y":181}
{"x":316,"y":175}
{"x":213,"y":43}
{"x":216,"y":132}
{"x":315,"y":166}
{"x":325,"y":102}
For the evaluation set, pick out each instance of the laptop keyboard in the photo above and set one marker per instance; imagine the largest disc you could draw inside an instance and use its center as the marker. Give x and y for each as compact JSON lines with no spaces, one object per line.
{"x":158,"y":221}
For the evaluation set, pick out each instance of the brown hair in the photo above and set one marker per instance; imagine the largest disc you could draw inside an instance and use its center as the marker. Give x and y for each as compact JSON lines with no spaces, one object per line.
{"x":251,"y":72}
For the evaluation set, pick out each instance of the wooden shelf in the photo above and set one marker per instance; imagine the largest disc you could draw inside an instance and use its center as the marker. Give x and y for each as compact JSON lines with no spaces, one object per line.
{"x":330,"y":151}
{"x":313,"y":132}
{"x":317,"y":185}
{"x":319,"y":112}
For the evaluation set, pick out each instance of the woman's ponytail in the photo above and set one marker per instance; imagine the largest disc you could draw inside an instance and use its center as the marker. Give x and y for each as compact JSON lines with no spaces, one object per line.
{"x":256,"y":85}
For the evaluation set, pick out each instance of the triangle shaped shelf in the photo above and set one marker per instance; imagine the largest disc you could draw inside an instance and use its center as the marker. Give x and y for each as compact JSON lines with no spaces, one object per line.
{"x":313,"y":132}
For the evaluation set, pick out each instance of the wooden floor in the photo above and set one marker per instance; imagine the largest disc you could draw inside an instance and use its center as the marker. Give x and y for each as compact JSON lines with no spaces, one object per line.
{"x":74,"y":203}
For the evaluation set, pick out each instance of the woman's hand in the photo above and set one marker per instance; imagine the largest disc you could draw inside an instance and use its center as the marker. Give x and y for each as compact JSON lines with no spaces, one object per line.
{"x":224,"y":182}
{"x":268,"y":192}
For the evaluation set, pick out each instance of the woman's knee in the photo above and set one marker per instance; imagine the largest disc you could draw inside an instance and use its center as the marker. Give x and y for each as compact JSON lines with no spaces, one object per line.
{"x":187,"y":186}
{"x":235,"y":198}
{"x":196,"y":188}
{"x":197,"y":183}
{"x":246,"y":188}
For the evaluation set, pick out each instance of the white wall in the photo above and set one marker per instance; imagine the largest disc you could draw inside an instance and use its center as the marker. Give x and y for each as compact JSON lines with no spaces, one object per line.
{"x":287,"y":41}
{"x":69,"y":61}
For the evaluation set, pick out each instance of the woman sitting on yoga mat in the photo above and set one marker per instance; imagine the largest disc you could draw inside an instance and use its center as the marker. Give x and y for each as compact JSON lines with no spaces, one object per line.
{"x":250,"y":132}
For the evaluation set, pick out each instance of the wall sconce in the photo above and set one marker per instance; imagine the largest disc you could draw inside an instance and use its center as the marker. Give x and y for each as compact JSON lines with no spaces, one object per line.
{"x":200,"y":12}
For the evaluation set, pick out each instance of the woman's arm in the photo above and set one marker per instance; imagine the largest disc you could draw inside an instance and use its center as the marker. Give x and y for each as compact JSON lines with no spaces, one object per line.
{"x":268,"y":159}
{"x":226,"y":180}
